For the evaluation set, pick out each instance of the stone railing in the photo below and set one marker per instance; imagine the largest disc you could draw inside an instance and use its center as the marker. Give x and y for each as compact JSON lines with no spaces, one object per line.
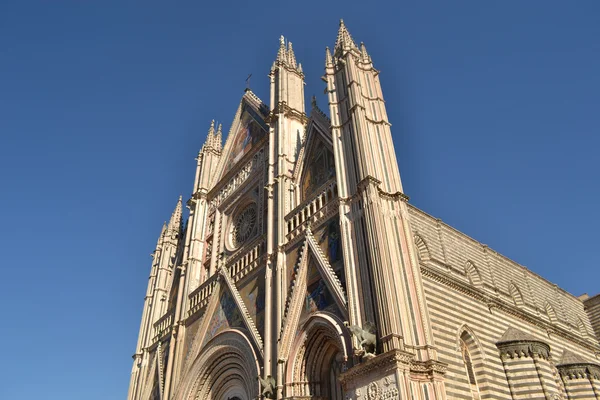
{"x":310,"y":210}
{"x":238,"y":179}
{"x":244,"y":263}
{"x":199,"y":297}
{"x":162,"y":325}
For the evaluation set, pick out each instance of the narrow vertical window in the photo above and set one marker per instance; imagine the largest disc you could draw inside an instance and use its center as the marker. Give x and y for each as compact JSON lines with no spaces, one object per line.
{"x":466,"y":356}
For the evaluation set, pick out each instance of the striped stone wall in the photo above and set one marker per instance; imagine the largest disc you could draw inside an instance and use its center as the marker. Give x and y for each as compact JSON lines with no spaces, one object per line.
{"x":477,"y":294}
{"x":592,"y":307}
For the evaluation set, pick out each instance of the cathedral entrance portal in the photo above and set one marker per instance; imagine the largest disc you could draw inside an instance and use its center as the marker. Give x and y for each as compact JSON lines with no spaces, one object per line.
{"x":226,"y":369}
{"x":319,"y":360}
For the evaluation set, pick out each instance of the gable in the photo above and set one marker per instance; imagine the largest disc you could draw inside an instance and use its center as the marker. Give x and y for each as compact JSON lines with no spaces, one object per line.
{"x":226,"y":315}
{"x":319,"y":166}
{"x":247,"y":129}
{"x":253,"y":295}
{"x":315,"y":287}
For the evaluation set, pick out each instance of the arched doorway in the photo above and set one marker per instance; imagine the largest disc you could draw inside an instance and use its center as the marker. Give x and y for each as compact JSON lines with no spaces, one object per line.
{"x":321,"y":351}
{"x":227,"y":368}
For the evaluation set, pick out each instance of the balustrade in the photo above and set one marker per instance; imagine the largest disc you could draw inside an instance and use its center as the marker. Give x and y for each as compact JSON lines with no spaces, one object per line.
{"x":311,"y":209}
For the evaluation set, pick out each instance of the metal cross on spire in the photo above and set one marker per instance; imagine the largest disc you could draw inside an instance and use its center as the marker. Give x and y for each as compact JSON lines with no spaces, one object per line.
{"x":248,"y":83}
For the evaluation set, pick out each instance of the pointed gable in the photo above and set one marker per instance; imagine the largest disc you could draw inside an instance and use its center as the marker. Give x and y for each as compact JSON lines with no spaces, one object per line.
{"x":316,"y":164}
{"x":247,"y":129}
{"x":226,"y":315}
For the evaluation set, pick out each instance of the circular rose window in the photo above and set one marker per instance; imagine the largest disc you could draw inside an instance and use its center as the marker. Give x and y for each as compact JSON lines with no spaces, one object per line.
{"x":243,"y":226}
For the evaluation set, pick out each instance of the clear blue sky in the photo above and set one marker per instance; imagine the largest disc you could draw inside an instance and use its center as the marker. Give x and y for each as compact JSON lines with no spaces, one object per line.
{"x":495,"y":109}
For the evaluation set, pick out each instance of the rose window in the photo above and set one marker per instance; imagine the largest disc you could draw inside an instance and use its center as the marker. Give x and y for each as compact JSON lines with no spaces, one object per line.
{"x":244,"y":225}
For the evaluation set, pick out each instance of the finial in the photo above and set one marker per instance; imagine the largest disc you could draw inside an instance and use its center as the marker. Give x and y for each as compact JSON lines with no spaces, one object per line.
{"x":162,"y":233}
{"x":300,"y":68}
{"x":328,"y":59}
{"x":175,"y":221}
{"x":313,"y":101}
{"x":219,"y":139}
{"x":291,"y":55}
{"x":344,"y":40}
{"x":363,"y":53}
{"x":282,"y":54}
{"x":209,"y":137}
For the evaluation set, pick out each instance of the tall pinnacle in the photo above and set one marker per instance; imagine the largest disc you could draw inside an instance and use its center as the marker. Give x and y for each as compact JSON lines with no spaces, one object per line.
{"x":282,"y":53}
{"x":162,"y":234}
{"x":210,"y":136}
{"x":175,"y":221}
{"x":218,"y":140}
{"x":328,"y":59}
{"x":344,"y":40}
{"x":291,"y":55}
{"x":363,"y":53}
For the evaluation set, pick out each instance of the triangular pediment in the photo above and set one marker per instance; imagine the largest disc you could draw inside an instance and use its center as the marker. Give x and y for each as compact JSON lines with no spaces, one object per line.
{"x":315,"y":287}
{"x":316,"y":147}
{"x":226,"y":315}
{"x":247,"y":129}
{"x":252,"y":292}
{"x":317,"y":168}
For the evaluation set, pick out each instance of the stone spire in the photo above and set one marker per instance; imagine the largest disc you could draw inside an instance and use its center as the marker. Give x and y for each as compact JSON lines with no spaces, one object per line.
{"x":218,"y":139}
{"x":328,"y":58}
{"x":291,"y":55}
{"x":364,"y":56}
{"x":175,"y":221}
{"x":208,"y":144}
{"x":344,"y":40}
{"x":282,"y":53}
{"x":162,"y":234}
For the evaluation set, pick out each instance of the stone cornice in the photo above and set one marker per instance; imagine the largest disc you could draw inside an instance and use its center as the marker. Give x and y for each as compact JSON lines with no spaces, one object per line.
{"x":527,"y":348}
{"x":283,"y":108}
{"x":579,"y":371}
{"x":391,"y":360}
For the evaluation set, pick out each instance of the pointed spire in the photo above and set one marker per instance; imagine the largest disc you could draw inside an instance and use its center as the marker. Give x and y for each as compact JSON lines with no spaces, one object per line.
{"x":162,"y":234}
{"x":300,"y":68}
{"x":364,"y":56}
{"x":175,"y":221}
{"x":208,"y":143}
{"x":291,"y":55}
{"x":328,"y":58}
{"x":344,"y":40}
{"x":218,"y":140}
{"x":281,"y":54}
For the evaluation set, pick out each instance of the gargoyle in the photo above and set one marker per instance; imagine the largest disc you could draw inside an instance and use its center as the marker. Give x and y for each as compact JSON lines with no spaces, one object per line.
{"x":268,"y":386}
{"x":365,"y":336}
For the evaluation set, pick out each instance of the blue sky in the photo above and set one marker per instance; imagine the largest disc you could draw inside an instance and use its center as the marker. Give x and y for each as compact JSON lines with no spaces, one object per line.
{"x":104,"y":105}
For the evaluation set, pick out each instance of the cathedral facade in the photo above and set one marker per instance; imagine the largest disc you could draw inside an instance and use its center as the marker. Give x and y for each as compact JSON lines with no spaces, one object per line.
{"x":303,"y":272}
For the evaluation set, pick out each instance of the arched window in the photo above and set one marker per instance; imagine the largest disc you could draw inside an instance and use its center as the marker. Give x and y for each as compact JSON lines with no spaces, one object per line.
{"x":469,"y":369}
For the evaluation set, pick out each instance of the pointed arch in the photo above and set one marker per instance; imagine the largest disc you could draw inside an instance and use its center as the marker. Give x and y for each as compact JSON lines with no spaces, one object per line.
{"x":422,"y":249}
{"x":228,"y":366}
{"x":472,"y":359}
{"x":473,"y":274}
{"x":516,"y":295}
{"x":551,"y":313}
{"x":319,"y":355}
